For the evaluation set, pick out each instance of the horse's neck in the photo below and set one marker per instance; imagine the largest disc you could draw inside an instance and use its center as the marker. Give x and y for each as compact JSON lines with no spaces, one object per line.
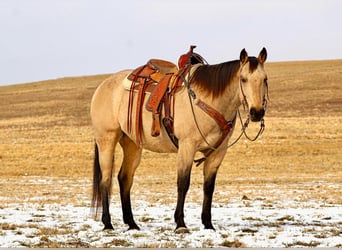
{"x":228,"y":103}
{"x":218,"y":85}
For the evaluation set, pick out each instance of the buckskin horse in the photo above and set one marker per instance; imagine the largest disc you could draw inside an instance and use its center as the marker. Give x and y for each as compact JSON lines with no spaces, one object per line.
{"x":203,"y":114}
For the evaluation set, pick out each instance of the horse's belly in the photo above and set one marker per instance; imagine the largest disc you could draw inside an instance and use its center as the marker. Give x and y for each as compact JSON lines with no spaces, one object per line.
{"x":158,"y":144}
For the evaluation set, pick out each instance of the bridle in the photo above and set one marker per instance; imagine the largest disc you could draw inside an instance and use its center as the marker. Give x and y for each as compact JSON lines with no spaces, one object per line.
{"x":225,"y":126}
{"x":245,"y":124}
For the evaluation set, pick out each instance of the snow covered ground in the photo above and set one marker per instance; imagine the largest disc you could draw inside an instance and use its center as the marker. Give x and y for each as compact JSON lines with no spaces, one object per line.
{"x":239,"y":222}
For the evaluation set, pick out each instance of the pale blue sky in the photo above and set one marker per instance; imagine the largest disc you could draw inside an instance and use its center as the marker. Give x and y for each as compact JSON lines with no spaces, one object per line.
{"x":47,"y":39}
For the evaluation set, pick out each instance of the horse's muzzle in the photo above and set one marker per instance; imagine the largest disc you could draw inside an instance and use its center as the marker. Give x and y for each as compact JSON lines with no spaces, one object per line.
{"x":256,"y":114}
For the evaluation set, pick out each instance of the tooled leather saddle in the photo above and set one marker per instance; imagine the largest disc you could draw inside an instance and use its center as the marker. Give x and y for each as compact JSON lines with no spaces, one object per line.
{"x":162,"y":80}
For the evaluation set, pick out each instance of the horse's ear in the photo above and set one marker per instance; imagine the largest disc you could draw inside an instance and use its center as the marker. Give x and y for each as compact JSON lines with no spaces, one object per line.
{"x":262,"y":56}
{"x":243,"y":57}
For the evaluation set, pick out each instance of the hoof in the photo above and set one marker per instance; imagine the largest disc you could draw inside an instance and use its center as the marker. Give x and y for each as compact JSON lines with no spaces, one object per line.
{"x":108,"y":228}
{"x":134,"y":228}
{"x":182,"y":230}
{"x":209,"y":228}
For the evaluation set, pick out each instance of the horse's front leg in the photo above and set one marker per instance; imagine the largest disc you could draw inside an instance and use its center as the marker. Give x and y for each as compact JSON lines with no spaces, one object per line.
{"x":185,"y":158}
{"x":211,"y":166}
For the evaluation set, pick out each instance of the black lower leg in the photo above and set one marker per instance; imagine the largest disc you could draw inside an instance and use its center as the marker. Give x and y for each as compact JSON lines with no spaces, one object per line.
{"x":179,"y":213}
{"x":125,"y":189}
{"x":209,"y":185}
{"x":183,"y":183}
{"x":105,"y":213}
{"x":127,"y":212}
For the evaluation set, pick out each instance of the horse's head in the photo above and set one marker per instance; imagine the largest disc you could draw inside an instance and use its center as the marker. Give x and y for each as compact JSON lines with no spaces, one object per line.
{"x":253,"y":84}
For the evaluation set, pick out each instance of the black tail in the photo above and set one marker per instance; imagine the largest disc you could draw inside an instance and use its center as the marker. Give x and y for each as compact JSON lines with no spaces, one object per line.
{"x":97,"y":176}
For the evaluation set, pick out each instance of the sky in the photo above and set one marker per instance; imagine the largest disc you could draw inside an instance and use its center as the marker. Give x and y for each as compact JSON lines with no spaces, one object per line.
{"x":48,"y":39}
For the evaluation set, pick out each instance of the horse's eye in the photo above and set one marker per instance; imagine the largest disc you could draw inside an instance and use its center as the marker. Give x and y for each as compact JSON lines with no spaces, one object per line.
{"x":243,"y":80}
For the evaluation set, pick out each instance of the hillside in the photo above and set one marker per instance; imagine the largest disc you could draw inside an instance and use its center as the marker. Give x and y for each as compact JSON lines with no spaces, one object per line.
{"x":296,"y":89}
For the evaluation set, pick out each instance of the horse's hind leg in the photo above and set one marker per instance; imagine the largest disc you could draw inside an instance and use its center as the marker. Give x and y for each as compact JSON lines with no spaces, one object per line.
{"x":131,"y":160}
{"x":103,"y":169}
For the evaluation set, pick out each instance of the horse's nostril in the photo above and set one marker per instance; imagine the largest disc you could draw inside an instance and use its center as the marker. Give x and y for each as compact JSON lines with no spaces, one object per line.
{"x":256,"y":115}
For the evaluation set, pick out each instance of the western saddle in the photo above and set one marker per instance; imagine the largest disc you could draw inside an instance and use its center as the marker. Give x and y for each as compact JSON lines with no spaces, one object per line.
{"x":161,"y":79}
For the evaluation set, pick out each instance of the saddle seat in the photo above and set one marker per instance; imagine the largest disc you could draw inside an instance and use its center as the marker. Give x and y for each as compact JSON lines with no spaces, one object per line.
{"x":153,"y":70}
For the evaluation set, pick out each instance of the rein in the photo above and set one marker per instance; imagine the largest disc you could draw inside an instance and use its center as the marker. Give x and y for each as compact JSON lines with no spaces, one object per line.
{"x":244,"y":126}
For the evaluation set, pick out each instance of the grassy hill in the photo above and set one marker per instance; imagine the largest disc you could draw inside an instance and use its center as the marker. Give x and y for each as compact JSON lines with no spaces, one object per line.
{"x":296,"y":89}
{"x":63,"y":101}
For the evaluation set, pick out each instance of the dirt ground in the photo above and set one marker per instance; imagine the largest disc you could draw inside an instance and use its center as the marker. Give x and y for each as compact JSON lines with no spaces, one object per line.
{"x":46,"y":136}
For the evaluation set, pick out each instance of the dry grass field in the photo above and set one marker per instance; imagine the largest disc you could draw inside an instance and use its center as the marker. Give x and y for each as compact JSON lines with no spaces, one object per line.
{"x":46,"y":145}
